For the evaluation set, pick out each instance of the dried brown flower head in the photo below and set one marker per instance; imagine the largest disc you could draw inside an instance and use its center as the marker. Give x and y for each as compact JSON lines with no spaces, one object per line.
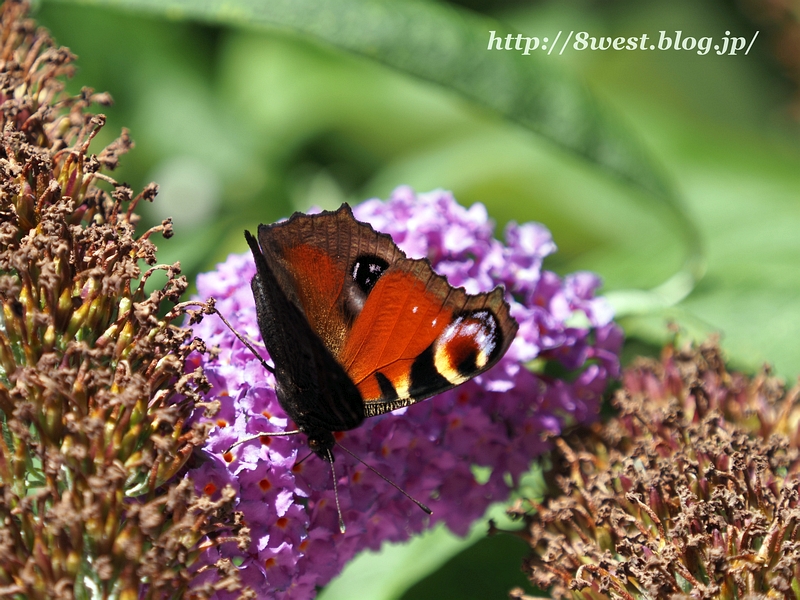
{"x":95,"y":396}
{"x":690,"y":492}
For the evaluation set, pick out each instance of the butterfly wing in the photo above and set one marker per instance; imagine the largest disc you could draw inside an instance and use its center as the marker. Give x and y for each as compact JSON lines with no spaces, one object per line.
{"x":441,"y":337}
{"x":398,"y":330}
{"x":313,"y":388}
{"x":313,"y":257}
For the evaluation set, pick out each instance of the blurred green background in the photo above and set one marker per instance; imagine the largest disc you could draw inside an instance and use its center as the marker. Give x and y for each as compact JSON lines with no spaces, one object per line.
{"x":244,"y":112}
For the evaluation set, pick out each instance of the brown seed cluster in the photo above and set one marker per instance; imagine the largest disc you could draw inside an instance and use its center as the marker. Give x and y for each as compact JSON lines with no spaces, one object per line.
{"x":691,"y":491}
{"x":96,"y":392}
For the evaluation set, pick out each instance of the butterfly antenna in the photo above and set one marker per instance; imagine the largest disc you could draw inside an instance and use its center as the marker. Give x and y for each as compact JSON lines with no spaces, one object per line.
{"x":259,"y":435}
{"x":389,"y":481}
{"x":336,"y":493}
{"x":209,"y":308}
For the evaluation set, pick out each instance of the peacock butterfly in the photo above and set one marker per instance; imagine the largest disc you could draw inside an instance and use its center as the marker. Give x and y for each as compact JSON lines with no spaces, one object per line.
{"x":356,"y":329}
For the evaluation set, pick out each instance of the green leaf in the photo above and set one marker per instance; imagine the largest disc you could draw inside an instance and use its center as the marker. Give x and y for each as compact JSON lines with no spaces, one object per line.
{"x":388,"y":574}
{"x":449,"y":47}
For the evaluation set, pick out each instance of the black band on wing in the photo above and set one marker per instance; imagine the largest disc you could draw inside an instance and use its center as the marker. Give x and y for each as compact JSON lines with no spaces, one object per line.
{"x":425,"y":379}
{"x":388,"y":391}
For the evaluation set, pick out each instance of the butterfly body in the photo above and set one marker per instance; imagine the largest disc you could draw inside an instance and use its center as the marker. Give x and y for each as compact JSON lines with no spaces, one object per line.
{"x":356,"y":329}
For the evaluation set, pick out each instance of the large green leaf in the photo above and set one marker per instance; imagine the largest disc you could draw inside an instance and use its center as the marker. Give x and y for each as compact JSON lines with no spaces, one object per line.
{"x":392,"y":573}
{"x":448,"y":46}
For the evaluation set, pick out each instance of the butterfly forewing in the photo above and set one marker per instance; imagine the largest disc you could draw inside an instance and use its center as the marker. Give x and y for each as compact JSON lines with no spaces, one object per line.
{"x":398,"y":322}
{"x":312,"y":387}
{"x":441,"y":338}
{"x":317,"y":255}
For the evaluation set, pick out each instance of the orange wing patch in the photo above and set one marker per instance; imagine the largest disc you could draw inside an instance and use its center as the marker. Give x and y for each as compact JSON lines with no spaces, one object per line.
{"x":318,"y":283}
{"x":398,"y":322}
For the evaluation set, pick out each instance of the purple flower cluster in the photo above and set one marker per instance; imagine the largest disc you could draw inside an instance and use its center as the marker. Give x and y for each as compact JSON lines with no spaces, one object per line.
{"x":499,"y":420}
